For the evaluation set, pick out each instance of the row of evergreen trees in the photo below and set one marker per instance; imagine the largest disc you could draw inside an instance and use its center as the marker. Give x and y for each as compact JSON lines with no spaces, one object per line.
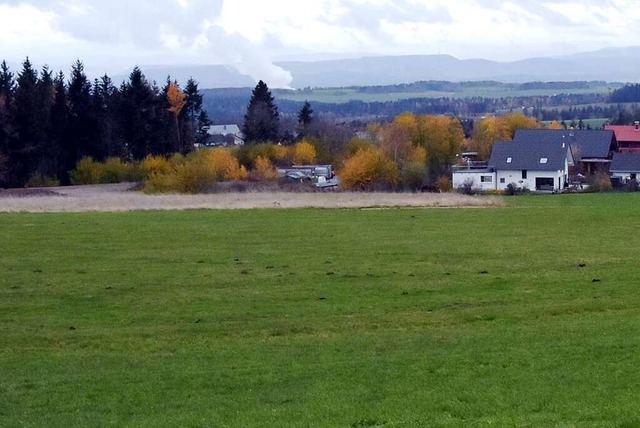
{"x":48,"y":123}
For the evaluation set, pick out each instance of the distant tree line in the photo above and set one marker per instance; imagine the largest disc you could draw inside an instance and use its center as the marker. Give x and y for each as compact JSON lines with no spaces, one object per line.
{"x":626,"y":94}
{"x":48,"y":122}
{"x":228,"y":106}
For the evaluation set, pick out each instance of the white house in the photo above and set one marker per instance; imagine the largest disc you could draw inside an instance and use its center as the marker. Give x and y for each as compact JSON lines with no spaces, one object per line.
{"x":226,"y":134}
{"x":474,"y":178}
{"x":536,"y":166}
{"x":625,"y":166}
{"x":541,"y":166}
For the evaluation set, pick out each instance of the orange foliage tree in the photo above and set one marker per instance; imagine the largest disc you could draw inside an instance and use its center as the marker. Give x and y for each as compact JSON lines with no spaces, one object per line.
{"x":223,"y":166}
{"x":264,"y":169}
{"x":492,"y":129}
{"x":177,"y":100}
{"x":304,"y":153}
{"x":368,"y":168}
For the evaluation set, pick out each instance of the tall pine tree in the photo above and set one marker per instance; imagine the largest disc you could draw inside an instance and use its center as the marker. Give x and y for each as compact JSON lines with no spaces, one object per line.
{"x":59,"y":134}
{"x":195,"y":118}
{"x":261,"y":122}
{"x":24,"y":144}
{"x":6,"y":95}
{"x":81,"y":119}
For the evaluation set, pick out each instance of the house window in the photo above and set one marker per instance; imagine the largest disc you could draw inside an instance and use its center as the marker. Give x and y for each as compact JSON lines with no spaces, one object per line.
{"x":486,"y":179}
{"x":544,"y":160}
{"x":509,"y":159}
{"x":524,"y":174}
{"x":502,"y":180}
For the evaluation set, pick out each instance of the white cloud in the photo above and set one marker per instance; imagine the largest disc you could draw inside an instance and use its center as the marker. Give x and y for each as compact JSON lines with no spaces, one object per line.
{"x":249,"y":34}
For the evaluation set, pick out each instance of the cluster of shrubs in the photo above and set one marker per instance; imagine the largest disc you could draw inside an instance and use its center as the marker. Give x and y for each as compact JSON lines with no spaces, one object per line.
{"x":197,"y":171}
{"x":366,"y":167}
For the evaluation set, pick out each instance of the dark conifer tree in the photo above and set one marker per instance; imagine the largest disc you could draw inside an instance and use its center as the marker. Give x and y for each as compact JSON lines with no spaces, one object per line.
{"x":137,"y":115}
{"x":45,"y":156}
{"x":195,"y":118}
{"x":81,"y":119}
{"x":261,"y":122}
{"x":105,"y":104}
{"x":23,"y":145}
{"x":304,"y":119}
{"x":6,"y":95}
{"x":59,"y":135}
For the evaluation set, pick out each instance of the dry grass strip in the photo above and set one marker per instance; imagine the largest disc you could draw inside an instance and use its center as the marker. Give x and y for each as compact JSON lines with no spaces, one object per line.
{"x":114,"y":198}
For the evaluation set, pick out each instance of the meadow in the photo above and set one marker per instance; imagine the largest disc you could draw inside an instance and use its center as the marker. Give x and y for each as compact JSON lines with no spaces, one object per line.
{"x":344,"y":95}
{"x":526,"y":315}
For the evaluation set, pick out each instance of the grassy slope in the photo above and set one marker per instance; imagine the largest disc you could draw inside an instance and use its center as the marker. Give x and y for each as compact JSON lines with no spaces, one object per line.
{"x":323,"y":317}
{"x":344,"y":95}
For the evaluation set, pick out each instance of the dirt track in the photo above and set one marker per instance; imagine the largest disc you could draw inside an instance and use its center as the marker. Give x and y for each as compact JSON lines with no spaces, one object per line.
{"x":119,"y":197}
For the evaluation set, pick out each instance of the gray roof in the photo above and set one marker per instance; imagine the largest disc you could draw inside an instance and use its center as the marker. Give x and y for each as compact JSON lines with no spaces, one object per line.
{"x":512,"y":155}
{"x":225,"y":130}
{"x":625,"y":162}
{"x":584,"y":144}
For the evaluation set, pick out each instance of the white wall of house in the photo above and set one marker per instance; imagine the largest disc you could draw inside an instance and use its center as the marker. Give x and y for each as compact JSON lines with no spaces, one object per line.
{"x":506,"y":177}
{"x":481,"y":180}
{"x":622,"y":175}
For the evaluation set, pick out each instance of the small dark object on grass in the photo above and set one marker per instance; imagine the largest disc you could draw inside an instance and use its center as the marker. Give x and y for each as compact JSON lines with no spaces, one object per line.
{"x":484,"y":272}
{"x":331,"y":273}
{"x":412,"y":274}
{"x":200,"y":261}
{"x":327,"y":262}
{"x":269,"y":267}
{"x":405,"y":293}
{"x":108,"y":288}
{"x":582,"y":265}
{"x":322,"y":298}
{"x":72,"y":328}
{"x":197,"y":321}
{"x":244,"y":272}
{"x":595,"y":280}
{"x":37,"y":271}
{"x":447,"y":273}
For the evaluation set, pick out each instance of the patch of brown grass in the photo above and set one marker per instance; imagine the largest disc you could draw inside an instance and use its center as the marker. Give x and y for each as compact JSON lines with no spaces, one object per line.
{"x":120,"y":198}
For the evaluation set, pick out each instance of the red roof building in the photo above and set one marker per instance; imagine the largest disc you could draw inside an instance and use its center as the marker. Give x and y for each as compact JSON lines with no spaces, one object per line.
{"x":628,"y":137}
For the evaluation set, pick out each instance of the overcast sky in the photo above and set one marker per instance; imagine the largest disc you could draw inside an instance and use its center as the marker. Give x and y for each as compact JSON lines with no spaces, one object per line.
{"x":113,"y":35}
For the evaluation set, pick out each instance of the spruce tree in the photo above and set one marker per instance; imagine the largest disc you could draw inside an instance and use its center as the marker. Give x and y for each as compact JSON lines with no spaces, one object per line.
{"x":138,"y":115}
{"x":304,"y":119}
{"x":6,"y":94}
{"x":44,"y":158}
{"x":105,"y":103}
{"x":59,"y":131}
{"x":195,"y":118}
{"x":24,"y":117}
{"x":261,"y":122}
{"x":82,"y":122}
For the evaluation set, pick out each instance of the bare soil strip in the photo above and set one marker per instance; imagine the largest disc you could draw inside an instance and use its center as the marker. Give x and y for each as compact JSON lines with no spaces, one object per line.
{"x":118,"y":197}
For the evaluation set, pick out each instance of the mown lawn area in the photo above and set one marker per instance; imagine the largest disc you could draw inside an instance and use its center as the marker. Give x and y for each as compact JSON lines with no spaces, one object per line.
{"x":526,"y":315}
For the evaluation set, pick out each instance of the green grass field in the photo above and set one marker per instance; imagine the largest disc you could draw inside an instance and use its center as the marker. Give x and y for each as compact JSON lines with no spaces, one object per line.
{"x":345,"y":318}
{"x":344,"y":95}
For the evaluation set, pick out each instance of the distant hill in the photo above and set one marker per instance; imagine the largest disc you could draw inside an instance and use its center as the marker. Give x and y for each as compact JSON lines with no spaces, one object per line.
{"x":613,"y":64}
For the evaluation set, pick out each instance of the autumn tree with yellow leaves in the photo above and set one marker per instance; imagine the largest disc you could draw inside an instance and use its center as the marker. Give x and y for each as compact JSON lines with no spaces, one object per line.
{"x":304,"y":153}
{"x":493,"y":129}
{"x":369,"y":169}
{"x":177,"y":100}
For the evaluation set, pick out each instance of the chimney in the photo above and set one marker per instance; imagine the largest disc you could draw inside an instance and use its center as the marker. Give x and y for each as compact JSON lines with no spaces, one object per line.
{"x":637,"y":125}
